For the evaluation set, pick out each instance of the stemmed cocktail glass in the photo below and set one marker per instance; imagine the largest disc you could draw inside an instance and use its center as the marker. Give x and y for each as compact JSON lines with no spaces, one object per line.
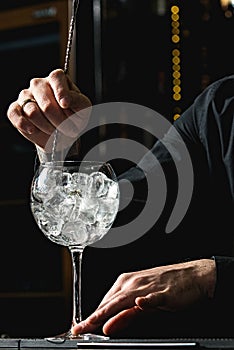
{"x":75,"y":204}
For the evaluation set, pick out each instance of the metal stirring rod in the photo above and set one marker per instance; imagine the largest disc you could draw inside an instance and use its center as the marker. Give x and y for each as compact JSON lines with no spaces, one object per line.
{"x":75,"y":5}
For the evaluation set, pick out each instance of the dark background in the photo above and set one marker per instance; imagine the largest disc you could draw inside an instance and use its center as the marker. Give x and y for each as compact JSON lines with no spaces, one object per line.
{"x":125,"y":55}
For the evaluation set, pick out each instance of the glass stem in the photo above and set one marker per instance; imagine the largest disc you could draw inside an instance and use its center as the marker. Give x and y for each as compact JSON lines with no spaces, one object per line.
{"x":76,"y":254}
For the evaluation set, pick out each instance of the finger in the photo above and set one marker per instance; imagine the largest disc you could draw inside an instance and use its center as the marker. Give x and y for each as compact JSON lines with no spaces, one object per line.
{"x":80,"y":113}
{"x":68,"y":121}
{"x":24,"y":125}
{"x":121,"y":321}
{"x":112,"y":326}
{"x":85,"y":326}
{"x":110,"y":295}
{"x":71,"y":127}
{"x":60,"y":85}
{"x":67,"y":94}
{"x":115,"y":303}
{"x":33,"y":113}
{"x":44,"y":95}
{"x":112,"y":307}
{"x":79,"y":101}
{"x":113,"y":292}
{"x":18,"y":120}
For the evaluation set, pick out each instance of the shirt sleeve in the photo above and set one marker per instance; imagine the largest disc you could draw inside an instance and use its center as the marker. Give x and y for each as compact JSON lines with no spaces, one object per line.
{"x":225,"y":274}
{"x":207,"y":129}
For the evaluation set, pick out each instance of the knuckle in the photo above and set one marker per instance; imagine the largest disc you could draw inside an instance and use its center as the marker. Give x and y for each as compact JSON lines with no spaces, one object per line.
{"x":13,"y":111}
{"x":123,"y":277}
{"x":35,"y":82}
{"x":55,"y":74}
{"x":22,"y":94}
{"x":122,"y":298}
{"x":10,"y":110}
{"x":46,"y":107}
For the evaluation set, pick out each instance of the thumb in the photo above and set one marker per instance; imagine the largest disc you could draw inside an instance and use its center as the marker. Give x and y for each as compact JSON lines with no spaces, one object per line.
{"x":120,"y":321}
{"x":150,"y":302}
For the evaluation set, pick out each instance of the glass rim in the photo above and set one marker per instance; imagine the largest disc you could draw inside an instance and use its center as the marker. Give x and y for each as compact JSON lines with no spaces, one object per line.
{"x":62,"y":162}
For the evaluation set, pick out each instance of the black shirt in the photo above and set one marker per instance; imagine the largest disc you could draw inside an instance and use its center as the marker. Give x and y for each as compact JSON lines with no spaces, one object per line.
{"x":207,"y":129}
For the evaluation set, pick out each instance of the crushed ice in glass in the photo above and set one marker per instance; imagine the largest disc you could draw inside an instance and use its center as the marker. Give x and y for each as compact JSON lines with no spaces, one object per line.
{"x":74,"y":209}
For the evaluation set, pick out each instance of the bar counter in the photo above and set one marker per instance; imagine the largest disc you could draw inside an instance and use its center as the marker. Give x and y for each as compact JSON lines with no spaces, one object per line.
{"x":124,"y":344}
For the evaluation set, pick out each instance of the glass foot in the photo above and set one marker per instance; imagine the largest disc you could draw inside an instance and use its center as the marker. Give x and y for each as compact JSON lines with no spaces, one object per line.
{"x":92,"y":337}
{"x":61,"y":338}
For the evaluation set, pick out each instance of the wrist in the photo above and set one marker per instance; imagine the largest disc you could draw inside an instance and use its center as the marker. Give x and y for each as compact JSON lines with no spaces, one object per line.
{"x":72,"y":152}
{"x":207,"y":276}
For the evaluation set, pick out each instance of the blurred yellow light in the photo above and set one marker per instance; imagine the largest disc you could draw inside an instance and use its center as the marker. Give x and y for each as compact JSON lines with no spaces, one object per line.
{"x":176,"y":97}
{"x":176,"y":74}
{"x":175,"y":17}
{"x":176,"y":52}
{"x":176,"y":60}
{"x":228,"y":14}
{"x":175,"y":38}
{"x":175,"y":31}
{"x":176,"y":81}
{"x":175,"y":9}
{"x":175,"y":24}
{"x":225,"y":3}
{"x":176,"y":67}
{"x":176,"y":116}
{"x":176,"y":89}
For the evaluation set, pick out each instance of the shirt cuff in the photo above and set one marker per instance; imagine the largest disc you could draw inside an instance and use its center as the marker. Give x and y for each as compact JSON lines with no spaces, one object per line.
{"x":72,"y":153}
